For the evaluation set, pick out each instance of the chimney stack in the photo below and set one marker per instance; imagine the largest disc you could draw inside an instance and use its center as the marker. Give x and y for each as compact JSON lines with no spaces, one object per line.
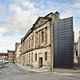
{"x":57,"y":14}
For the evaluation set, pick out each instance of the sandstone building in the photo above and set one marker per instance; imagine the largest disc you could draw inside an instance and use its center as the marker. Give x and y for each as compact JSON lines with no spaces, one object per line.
{"x":78,"y":45}
{"x":78,"y":48}
{"x":11,"y":55}
{"x":49,"y":43}
{"x":18,"y":52}
{"x":75,"y":53}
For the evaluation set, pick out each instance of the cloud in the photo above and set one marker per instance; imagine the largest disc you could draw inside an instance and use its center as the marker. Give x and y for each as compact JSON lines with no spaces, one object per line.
{"x":1,"y":10}
{"x":24,"y":14}
{"x":22,"y":21}
{"x":77,"y":4}
{"x":23,"y":18}
{"x":15,"y":8}
{"x":5,"y":44}
{"x":2,"y":30}
{"x":28,"y":4}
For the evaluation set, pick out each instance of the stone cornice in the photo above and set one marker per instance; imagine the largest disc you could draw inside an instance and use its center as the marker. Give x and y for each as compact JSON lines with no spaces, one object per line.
{"x":37,"y":48}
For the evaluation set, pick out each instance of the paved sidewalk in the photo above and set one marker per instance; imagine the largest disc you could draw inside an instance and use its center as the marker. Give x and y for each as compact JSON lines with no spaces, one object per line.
{"x":67,"y":70}
{"x":57,"y":70}
{"x":28,"y":68}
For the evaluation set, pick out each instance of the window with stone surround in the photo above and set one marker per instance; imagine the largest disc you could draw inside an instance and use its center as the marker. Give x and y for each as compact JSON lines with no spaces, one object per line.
{"x":36,"y":57}
{"x":36,"y":39}
{"x":45,"y":56}
{"x":32,"y":42}
{"x":27,"y":57}
{"x":42,"y":34}
{"x":46,"y":35}
{"x":76,"y":53}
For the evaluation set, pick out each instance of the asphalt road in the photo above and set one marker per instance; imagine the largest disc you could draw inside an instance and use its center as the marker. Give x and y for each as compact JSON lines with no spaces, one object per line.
{"x":12,"y":72}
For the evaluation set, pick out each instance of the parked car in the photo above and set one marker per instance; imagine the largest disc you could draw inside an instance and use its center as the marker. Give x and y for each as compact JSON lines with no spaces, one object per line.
{"x":2,"y":60}
{"x":6,"y":61}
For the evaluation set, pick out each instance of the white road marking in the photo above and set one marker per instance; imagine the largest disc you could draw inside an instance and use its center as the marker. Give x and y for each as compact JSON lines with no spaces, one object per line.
{"x":65,"y":74}
{"x":44,"y":73}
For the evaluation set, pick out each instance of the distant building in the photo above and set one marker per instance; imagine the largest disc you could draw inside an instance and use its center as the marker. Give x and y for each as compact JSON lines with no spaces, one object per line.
{"x":18,"y":52}
{"x":11,"y":55}
{"x":4,"y":56}
{"x":49,"y":43}
{"x":75,"y":53}
{"x":78,"y":45}
{"x":78,"y":48}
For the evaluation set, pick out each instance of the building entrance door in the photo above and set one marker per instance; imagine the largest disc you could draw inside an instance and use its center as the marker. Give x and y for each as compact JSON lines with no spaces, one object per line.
{"x":40,"y":62}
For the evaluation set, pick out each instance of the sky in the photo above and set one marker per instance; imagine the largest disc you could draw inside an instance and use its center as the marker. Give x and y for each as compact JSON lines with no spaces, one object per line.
{"x":18,"y":16}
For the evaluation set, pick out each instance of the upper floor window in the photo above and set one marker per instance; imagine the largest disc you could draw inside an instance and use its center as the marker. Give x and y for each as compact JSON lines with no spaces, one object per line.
{"x":36,"y":36}
{"x":36,"y":57}
{"x":27,"y":57}
{"x":42,"y":33}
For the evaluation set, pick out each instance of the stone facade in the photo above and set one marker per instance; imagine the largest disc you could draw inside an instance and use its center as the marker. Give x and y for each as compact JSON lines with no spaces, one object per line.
{"x":78,"y":48}
{"x":75,"y":54}
{"x":11,"y":56}
{"x":18,"y":52}
{"x":36,"y":44}
{"x":78,"y":45}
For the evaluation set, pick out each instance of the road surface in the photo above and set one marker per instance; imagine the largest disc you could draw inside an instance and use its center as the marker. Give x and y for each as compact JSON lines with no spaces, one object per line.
{"x":11,"y":71}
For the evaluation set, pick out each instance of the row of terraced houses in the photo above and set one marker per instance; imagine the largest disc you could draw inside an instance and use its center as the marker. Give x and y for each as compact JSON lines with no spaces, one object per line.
{"x":8,"y":56}
{"x":48,"y":44}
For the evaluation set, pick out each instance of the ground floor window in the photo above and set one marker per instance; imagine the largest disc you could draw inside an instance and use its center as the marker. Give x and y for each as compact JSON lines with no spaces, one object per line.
{"x":76,"y":53}
{"x":45,"y":56}
{"x":36,"y":57}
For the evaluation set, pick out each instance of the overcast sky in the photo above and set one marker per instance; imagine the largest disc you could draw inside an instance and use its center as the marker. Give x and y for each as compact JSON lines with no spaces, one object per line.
{"x":18,"y":16}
